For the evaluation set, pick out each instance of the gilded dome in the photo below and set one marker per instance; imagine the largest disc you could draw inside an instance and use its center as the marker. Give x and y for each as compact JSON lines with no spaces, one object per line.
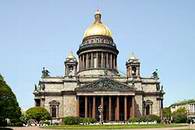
{"x":97,"y":28}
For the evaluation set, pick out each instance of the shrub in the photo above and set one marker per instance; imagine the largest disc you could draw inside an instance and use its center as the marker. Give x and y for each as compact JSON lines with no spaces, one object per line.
{"x":81,"y":120}
{"x":133,"y":119}
{"x":142,"y":119}
{"x":38,"y":114}
{"x":87,"y":120}
{"x":23,"y":119}
{"x":84,"y":120}
{"x":180,"y":116}
{"x":70,"y":120}
{"x":93,"y":120}
{"x":151,"y":118}
{"x":17,"y":124}
{"x":167,"y":113}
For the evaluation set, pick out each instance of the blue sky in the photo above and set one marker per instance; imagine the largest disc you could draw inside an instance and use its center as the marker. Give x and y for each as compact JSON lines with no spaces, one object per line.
{"x":37,"y":33}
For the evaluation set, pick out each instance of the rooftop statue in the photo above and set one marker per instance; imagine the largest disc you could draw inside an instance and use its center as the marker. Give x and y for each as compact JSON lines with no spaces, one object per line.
{"x":45,"y":73}
{"x":155,"y":74}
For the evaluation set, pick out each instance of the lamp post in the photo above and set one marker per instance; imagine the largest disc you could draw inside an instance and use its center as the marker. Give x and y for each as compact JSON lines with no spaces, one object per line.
{"x":100,"y":109}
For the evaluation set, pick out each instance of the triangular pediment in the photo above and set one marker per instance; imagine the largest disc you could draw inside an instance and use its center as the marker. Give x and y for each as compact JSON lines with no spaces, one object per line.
{"x":105,"y":84}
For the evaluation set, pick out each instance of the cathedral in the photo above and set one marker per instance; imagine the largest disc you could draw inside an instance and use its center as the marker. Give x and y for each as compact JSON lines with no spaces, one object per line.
{"x":92,"y":81}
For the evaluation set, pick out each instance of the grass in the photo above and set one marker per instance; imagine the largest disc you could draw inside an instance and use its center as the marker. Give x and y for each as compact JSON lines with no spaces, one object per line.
{"x":94,"y":127}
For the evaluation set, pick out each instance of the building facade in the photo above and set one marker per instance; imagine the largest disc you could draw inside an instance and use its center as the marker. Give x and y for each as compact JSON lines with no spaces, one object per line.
{"x":93,"y":80}
{"x":189,"y":105}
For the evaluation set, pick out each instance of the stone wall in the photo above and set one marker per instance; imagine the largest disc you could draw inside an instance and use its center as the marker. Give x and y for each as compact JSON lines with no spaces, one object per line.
{"x":138,"y":105}
{"x":53,"y":87}
{"x":58,"y":99}
{"x":155,"y":106}
{"x":69,"y":105}
{"x":149,"y":87}
{"x":70,"y":86}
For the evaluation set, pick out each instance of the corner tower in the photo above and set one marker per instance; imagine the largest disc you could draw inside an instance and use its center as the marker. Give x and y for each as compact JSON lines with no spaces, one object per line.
{"x":97,"y":52}
{"x":70,"y":65}
{"x":133,"y":67}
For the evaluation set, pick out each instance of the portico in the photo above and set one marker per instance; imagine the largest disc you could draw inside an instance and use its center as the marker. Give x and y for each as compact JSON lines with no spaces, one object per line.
{"x":115,"y":108}
{"x":117,"y":105}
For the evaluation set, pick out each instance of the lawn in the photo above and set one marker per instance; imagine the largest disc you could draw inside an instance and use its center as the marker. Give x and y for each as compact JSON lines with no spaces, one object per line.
{"x":93,"y":127}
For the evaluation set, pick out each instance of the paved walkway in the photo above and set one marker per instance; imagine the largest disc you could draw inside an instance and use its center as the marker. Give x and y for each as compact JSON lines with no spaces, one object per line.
{"x":27,"y":128}
{"x":174,"y":128}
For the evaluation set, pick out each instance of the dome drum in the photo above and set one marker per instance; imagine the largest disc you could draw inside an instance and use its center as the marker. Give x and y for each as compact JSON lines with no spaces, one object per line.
{"x":98,"y":50}
{"x":97,"y":46}
{"x":98,"y":59}
{"x":98,"y":39}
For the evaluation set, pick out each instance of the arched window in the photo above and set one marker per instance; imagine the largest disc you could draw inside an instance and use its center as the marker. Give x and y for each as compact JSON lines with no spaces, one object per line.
{"x":148,"y":107}
{"x":134,"y":71}
{"x":53,"y":111}
{"x":54,"y":108}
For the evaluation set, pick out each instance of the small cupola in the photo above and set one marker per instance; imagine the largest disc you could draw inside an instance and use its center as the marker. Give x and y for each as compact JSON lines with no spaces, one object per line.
{"x":133,"y":67}
{"x":70,"y":65}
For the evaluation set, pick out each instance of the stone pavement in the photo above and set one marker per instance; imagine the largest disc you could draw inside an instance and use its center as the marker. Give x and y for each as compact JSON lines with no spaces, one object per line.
{"x":174,"y":128}
{"x":26,"y":128}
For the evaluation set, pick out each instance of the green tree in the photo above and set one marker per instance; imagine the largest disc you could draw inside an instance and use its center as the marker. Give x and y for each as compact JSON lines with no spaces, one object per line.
{"x":38,"y":113}
{"x":1,"y":77}
{"x":23,"y":118}
{"x":180,"y":116}
{"x":9,"y":107}
{"x":167,"y":113}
